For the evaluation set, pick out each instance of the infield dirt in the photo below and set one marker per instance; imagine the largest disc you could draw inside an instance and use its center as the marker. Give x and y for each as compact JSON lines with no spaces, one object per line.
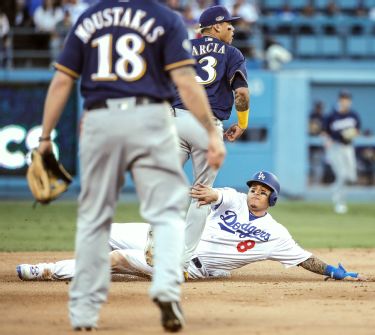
{"x":262,"y":298}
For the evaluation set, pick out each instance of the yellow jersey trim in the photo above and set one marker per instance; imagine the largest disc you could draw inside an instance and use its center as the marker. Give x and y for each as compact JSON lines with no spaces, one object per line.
{"x":66,"y":70}
{"x":179,"y":64}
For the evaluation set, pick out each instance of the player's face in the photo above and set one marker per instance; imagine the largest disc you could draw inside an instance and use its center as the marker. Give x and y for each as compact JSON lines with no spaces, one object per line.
{"x":227,"y":32}
{"x":257,"y":198}
{"x":345,"y":104}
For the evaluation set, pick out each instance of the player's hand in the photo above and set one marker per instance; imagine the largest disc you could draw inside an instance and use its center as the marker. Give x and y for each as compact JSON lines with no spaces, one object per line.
{"x":340,"y":273}
{"x":358,"y":278}
{"x":233,"y":133}
{"x":350,"y":278}
{"x":216,"y":151}
{"x":204,"y":194}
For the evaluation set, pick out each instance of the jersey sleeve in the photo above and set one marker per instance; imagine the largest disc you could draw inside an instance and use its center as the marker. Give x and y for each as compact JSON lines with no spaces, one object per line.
{"x":177,"y":47}
{"x":288,"y":252}
{"x":236,"y":65}
{"x":227,"y":199}
{"x":70,"y":60}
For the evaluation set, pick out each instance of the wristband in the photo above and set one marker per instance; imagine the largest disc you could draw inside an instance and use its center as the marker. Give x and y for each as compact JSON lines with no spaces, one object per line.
{"x":46,"y":138}
{"x":330,"y":271}
{"x":243,"y":118}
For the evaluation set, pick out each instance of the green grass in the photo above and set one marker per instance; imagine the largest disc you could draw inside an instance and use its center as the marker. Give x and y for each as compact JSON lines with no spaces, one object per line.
{"x":50,"y":227}
{"x":313,"y":225}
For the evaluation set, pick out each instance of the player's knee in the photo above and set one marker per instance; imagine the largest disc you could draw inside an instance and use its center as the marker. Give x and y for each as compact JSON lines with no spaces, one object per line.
{"x":118,"y":260}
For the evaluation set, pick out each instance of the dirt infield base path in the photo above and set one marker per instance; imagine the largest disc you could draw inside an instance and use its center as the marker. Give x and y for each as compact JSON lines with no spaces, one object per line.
{"x":262,"y":298}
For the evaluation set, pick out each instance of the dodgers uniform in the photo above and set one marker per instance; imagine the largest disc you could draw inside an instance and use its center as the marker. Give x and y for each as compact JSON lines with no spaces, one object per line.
{"x":123,"y":50}
{"x":218,"y":67}
{"x":232,"y":238}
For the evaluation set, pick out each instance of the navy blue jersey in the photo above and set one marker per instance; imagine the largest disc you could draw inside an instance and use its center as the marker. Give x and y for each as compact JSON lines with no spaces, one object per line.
{"x":336,"y":122}
{"x":125,"y":49}
{"x":217,"y":64}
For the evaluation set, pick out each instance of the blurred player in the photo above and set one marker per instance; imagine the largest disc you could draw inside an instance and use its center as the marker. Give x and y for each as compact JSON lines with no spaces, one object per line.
{"x":239,"y":231}
{"x":340,"y":129}
{"x":221,"y":69}
{"x":127,"y":54}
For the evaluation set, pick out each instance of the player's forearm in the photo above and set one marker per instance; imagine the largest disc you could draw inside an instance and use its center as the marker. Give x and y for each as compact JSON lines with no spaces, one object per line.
{"x":314,"y":264}
{"x":195,"y":100}
{"x":193,"y":96}
{"x":57,"y":96}
{"x":242,"y":100}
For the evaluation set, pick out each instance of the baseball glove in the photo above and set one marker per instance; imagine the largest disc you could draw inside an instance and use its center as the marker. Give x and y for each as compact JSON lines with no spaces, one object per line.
{"x":349,"y":133}
{"x":149,"y":248}
{"x":46,"y":177}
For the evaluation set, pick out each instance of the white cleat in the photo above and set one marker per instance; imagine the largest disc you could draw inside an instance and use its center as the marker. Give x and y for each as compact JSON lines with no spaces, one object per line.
{"x":341,"y":209}
{"x":39,"y":271}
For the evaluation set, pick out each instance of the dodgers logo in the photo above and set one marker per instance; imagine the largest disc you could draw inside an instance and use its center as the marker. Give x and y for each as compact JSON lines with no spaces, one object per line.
{"x":231,"y":225}
{"x":261,"y":176}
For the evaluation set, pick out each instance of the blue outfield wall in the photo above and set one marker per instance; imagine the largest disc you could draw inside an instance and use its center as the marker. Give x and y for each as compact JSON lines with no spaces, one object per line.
{"x":278,"y":126}
{"x":281,"y":102}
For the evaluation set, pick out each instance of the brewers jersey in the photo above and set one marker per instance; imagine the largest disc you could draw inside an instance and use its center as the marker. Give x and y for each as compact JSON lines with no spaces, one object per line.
{"x":337,"y":122}
{"x":217,"y":65}
{"x":127,"y":59}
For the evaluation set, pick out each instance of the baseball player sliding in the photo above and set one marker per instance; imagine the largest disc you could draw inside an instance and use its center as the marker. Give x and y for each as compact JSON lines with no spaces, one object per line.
{"x":239,"y":231}
{"x":221,"y":69}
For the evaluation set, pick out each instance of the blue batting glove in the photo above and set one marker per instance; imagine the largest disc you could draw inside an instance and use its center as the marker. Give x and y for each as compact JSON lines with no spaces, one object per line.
{"x":339,"y":273}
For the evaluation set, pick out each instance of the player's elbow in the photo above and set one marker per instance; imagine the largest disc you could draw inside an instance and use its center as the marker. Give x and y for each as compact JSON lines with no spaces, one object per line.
{"x":243,"y":93}
{"x":242,"y":97}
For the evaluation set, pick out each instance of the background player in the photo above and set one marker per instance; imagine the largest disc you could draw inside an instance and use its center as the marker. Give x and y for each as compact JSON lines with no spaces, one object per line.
{"x":221,"y":69}
{"x":126,"y":54}
{"x":341,"y":126}
{"x":239,"y":231}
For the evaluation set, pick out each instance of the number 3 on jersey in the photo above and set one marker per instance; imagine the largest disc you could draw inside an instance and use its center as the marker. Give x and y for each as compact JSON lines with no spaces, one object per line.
{"x":245,"y":245}
{"x":130,"y":66}
{"x":209,"y":67}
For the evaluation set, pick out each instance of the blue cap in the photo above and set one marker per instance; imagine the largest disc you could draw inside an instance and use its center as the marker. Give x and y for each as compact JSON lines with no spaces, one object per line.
{"x":345,"y":94}
{"x":215,"y":14}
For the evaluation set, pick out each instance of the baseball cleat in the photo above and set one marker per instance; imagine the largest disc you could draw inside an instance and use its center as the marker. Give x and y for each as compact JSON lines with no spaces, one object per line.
{"x":34,"y":272}
{"x":341,"y":209}
{"x":172,"y":318}
{"x":85,"y":329}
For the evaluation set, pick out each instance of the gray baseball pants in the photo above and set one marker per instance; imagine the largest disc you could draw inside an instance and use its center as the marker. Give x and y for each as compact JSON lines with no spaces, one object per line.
{"x":141,"y":139}
{"x":194,"y":144}
{"x":343,"y":162}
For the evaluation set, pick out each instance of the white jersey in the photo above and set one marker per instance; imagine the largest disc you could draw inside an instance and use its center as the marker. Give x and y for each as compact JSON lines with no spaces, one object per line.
{"x":233,"y":238}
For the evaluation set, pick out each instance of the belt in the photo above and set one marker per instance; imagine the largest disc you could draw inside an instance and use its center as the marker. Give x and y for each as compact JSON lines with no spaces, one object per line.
{"x":138,"y":101}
